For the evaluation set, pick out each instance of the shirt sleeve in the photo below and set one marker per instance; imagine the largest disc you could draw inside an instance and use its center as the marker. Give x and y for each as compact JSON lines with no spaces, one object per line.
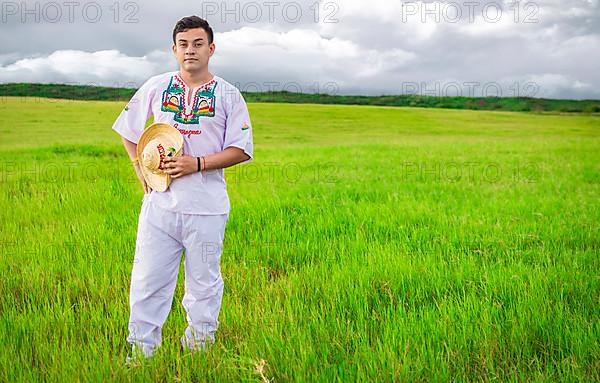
{"x":238,"y":128}
{"x":131,"y":122}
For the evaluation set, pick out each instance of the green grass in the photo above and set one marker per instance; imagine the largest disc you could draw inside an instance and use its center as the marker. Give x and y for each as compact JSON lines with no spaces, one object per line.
{"x":348,"y":256}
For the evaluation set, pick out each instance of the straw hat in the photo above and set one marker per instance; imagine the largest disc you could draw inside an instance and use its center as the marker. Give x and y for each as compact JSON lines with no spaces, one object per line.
{"x":158,"y":142}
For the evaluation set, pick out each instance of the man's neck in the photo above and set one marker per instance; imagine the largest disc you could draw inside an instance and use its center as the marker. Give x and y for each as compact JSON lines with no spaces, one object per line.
{"x":193,"y":79}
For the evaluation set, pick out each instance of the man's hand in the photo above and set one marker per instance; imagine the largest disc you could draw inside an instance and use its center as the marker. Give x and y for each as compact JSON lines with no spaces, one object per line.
{"x":180,"y":166}
{"x":183,"y":165}
{"x":145,"y":186}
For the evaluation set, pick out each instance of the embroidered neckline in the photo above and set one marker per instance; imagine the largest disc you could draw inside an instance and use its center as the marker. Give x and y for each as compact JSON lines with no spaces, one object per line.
{"x":188,"y":113}
{"x":199,"y":87}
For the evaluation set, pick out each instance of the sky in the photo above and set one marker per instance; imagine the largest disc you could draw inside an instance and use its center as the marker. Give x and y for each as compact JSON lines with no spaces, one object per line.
{"x":546,"y":49}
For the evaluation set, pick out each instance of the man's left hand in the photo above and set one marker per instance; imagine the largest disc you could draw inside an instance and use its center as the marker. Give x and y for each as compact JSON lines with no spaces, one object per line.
{"x":180,"y":166}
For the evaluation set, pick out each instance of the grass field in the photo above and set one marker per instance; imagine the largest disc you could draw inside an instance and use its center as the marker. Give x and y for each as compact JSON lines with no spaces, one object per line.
{"x":364,"y":244}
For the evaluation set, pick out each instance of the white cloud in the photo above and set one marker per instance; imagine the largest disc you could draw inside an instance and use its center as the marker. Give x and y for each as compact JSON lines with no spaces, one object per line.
{"x":108,"y":67}
{"x":249,"y":55}
{"x":553,"y":84}
{"x":302,"y":56}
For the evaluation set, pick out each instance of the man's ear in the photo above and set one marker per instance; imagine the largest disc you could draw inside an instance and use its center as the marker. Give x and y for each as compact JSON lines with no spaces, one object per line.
{"x":174,"y":48}
{"x":212,"y":48}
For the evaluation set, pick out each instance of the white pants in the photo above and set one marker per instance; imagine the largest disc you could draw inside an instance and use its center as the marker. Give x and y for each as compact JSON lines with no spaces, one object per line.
{"x":162,"y":235}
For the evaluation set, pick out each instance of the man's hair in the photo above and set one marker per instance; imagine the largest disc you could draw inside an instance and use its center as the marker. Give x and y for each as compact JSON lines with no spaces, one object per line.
{"x":191,"y":22}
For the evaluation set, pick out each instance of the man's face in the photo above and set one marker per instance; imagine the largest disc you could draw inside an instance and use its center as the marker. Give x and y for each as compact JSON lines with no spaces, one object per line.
{"x":192,"y":49}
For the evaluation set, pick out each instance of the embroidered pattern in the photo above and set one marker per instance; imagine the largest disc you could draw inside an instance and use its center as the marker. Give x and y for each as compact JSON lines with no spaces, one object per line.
{"x":187,"y":132}
{"x":161,"y":153}
{"x":203,"y":104}
{"x":246,"y":126}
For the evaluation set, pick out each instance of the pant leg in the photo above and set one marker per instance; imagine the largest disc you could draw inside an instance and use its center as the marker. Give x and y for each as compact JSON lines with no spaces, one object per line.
{"x":203,"y":240}
{"x":154,"y":275}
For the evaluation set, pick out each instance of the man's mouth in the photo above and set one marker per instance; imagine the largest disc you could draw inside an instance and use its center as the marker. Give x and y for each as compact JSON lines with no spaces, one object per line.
{"x":190,"y":60}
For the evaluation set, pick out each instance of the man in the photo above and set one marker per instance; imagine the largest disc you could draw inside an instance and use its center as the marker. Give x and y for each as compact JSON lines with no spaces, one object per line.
{"x":192,"y":213}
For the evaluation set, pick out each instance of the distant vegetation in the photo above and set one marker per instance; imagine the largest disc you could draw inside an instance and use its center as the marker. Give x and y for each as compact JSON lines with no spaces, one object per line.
{"x":516,"y":104}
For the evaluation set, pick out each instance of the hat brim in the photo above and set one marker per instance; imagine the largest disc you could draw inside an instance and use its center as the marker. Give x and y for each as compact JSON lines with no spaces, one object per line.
{"x":171,"y":137}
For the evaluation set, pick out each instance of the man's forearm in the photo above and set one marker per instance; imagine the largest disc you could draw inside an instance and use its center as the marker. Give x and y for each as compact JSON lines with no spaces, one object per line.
{"x":130,"y":147}
{"x":228,"y":157}
{"x":180,"y":166}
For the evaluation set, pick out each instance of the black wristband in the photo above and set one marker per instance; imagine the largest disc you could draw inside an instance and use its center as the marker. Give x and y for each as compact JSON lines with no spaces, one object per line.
{"x":198,"y":158}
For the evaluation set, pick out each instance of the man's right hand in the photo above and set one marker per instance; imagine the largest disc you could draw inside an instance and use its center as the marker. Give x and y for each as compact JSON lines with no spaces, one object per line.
{"x":138,"y":171}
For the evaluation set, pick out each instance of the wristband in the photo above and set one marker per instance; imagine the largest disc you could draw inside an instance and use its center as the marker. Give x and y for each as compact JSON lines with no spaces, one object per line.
{"x":199,"y":167}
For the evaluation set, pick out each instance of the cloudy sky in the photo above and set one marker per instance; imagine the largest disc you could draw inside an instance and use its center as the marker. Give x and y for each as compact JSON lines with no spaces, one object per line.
{"x":548,"y":48}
